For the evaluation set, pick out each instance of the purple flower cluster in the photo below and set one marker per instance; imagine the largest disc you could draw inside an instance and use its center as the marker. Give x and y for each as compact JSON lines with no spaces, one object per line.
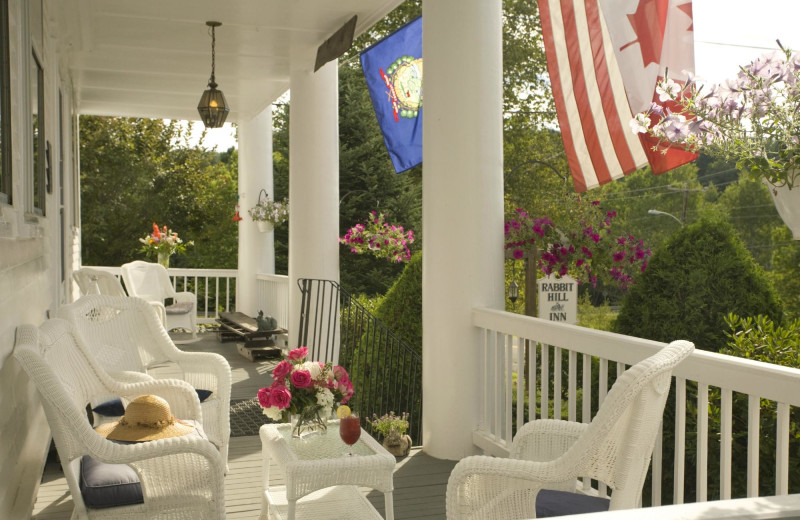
{"x":751,"y":119}
{"x":379,"y":238}
{"x":588,"y":254}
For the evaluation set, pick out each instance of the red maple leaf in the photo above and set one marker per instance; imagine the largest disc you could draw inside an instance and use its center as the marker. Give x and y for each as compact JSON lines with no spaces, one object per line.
{"x":649,"y":23}
{"x":687,"y":9}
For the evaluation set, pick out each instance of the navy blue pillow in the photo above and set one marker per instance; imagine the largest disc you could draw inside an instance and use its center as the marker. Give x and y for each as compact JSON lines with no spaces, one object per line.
{"x":109,"y":485}
{"x":114,"y":407}
{"x":556,"y":503}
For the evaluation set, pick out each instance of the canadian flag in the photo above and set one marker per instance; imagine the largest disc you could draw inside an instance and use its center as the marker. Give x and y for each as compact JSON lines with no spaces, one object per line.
{"x":604,"y":58}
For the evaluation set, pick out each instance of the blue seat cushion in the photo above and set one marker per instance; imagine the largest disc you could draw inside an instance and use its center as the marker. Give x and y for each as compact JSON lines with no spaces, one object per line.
{"x":114,"y":407}
{"x":109,"y":485}
{"x":557,"y":503}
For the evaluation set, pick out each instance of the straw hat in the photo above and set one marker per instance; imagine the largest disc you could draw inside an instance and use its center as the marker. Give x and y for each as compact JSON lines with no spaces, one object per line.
{"x":146,"y":418}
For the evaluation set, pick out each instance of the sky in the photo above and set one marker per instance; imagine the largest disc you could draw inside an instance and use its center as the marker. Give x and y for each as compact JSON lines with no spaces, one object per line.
{"x":727,"y":33}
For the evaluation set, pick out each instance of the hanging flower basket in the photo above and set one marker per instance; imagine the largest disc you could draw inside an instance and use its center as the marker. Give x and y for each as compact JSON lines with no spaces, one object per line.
{"x":267,"y":213}
{"x":265,"y":226}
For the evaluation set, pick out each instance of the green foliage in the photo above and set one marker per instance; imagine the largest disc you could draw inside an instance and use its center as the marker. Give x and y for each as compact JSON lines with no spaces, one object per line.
{"x":132,"y":175}
{"x":401,"y":308}
{"x":752,"y":213}
{"x":785,"y":263}
{"x":598,"y":317}
{"x":694,"y":280}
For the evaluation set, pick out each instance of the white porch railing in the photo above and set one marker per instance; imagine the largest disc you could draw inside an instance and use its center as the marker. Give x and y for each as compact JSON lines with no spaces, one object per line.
{"x":216,"y":291}
{"x":548,"y":355}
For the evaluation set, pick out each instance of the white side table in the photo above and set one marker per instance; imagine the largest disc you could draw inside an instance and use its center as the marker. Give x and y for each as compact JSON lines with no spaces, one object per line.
{"x":313,"y":465}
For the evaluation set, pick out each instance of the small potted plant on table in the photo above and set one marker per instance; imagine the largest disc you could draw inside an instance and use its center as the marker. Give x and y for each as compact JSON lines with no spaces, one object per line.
{"x":393,"y":429}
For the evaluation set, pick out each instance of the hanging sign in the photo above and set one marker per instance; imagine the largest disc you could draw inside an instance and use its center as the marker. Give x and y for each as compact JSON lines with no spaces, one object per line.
{"x":558,"y":299}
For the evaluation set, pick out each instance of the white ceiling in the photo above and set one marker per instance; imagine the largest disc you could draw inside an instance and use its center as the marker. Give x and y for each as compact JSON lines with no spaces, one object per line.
{"x":152,"y":58}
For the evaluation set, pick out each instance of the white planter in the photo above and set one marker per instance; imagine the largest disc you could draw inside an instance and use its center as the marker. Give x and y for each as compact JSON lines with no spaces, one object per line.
{"x":265,"y":226}
{"x":787,"y":202}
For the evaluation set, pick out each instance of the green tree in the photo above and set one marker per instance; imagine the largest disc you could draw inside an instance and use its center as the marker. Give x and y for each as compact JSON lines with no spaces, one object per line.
{"x":752,"y":213}
{"x":134,"y":172}
{"x":698,"y":276}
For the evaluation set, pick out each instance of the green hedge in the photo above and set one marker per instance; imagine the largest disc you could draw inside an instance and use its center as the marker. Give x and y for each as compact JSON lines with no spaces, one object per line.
{"x":698,"y":276}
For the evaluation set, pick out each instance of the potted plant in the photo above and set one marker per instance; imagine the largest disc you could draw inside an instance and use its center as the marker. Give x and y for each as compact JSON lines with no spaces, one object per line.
{"x":393,"y":430}
{"x":267,"y":213}
{"x":751,"y":120}
{"x":162,"y":243}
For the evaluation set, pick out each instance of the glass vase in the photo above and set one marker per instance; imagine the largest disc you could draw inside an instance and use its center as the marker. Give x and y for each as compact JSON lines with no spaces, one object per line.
{"x":163,"y":259}
{"x":309,"y":421}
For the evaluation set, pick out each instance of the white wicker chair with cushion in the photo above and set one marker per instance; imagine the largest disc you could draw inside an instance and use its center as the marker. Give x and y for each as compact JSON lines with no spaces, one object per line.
{"x":126,"y":338}
{"x":615,"y":448}
{"x":178,"y":477}
{"x":151,"y":282}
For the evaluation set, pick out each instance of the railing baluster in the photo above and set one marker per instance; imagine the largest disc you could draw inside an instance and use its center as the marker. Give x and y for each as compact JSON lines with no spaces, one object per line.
{"x":782,"y":451}
{"x":572,"y":388}
{"x":726,"y":438}
{"x":702,"y":442}
{"x":544,"y":404}
{"x":680,"y":440}
{"x":602,"y":391}
{"x":531,"y":347}
{"x":753,"y":436}
{"x":557,"y":373}
{"x":508,"y":386}
{"x":521,"y":381}
{"x":483,"y":379}
{"x":586,"y":408}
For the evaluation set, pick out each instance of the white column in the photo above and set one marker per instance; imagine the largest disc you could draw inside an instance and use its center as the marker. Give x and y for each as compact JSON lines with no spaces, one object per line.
{"x":462,"y":211}
{"x":256,"y":249}
{"x":313,"y":179}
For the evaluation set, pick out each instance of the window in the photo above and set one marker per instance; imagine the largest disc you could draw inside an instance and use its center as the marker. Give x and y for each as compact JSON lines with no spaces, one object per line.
{"x":37,"y":119}
{"x":5,"y":108}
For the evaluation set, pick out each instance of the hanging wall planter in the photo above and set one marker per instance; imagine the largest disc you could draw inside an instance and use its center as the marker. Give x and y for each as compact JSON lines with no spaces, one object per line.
{"x":265,"y":226}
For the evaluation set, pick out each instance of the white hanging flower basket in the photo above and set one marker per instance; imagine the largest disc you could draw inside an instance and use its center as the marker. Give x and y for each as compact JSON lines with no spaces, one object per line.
{"x":265,"y":226}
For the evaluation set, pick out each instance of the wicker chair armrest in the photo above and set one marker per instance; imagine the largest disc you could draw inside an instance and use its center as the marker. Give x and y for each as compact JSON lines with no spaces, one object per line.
{"x":129,"y":376}
{"x":186,"y":297}
{"x":545,"y":439}
{"x":485,"y":488}
{"x":105,"y":450}
{"x":180,"y":395}
{"x":206,"y":370}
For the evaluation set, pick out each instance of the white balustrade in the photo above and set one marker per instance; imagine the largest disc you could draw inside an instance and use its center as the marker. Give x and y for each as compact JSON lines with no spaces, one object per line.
{"x":216,"y":291}
{"x":708,"y":389}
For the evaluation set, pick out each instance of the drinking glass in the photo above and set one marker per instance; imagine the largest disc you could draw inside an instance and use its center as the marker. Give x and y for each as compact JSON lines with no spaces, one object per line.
{"x":350,"y":431}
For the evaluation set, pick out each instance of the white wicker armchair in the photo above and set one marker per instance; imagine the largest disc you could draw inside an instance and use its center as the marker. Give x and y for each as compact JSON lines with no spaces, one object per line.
{"x":615,"y":448}
{"x":96,"y":281}
{"x":181,"y":477}
{"x":126,"y":337}
{"x":151,"y":282}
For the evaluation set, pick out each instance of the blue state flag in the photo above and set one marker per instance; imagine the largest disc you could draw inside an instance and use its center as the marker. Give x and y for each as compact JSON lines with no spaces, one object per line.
{"x":393,"y":70}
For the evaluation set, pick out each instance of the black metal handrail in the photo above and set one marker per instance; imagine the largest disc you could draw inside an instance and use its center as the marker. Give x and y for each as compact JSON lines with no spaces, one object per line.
{"x":385,"y":370}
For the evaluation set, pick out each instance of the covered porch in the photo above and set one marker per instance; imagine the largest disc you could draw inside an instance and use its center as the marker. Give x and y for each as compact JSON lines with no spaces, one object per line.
{"x":95,"y":50}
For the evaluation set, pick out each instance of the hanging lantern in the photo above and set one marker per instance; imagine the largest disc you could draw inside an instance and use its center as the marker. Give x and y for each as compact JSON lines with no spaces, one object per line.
{"x":212,"y":107}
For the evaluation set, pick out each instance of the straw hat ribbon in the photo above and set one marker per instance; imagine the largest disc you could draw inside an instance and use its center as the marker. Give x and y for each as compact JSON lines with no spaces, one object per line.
{"x":146,"y":418}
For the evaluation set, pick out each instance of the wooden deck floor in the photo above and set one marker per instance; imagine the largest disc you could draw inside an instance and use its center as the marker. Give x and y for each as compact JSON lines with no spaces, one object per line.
{"x":419,"y":480}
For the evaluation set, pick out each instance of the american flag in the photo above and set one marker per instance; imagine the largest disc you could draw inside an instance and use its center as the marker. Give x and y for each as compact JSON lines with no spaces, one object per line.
{"x":604,"y":58}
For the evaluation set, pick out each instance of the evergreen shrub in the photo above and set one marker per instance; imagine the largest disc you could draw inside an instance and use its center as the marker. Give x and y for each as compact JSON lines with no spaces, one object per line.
{"x":698,"y":276}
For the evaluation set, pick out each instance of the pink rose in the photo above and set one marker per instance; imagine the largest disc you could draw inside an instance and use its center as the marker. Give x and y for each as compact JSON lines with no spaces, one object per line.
{"x":280,"y":397}
{"x":348,"y":392}
{"x":281,"y":370}
{"x":263,"y":397}
{"x":340,"y":374}
{"x":301,"y":378}
{"x":298,"y":353}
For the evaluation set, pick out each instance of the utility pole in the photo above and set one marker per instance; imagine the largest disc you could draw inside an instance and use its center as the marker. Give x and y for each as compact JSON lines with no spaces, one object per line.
{"x":685,"y":189}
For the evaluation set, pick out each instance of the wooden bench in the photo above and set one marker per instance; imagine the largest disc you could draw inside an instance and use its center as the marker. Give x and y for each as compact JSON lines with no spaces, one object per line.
{"x":251,"y":342}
